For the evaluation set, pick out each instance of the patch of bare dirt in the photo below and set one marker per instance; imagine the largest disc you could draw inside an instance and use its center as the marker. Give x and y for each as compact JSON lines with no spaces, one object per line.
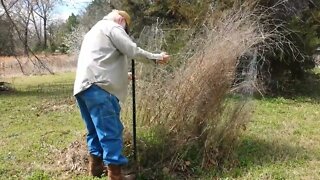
{"x":73,"y":160}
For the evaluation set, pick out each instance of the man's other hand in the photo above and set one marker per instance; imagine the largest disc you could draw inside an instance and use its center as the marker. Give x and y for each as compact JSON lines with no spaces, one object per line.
{"x":130,"y":76}
{"x":165,"y":58}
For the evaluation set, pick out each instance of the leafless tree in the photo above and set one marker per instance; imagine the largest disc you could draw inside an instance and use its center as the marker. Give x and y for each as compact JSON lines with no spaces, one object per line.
{"x":38,"y":63}
{"x":43,"y":8}
{"x":37,"y":25}
{"x":23,"y":11}
{"x":9,"y":4}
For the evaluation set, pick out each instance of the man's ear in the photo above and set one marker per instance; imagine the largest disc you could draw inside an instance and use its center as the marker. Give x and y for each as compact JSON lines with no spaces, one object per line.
{"x":123,"y":23}
{"x":123,"y":20}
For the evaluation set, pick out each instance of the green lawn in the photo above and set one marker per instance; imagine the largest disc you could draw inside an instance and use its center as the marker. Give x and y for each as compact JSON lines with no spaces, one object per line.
{"x":281,"y":142}
{"x":37,"y":120}
{"x":283,"y":139}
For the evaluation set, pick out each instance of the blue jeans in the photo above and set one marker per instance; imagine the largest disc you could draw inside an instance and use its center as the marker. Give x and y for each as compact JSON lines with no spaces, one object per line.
{"x":100,"y":111}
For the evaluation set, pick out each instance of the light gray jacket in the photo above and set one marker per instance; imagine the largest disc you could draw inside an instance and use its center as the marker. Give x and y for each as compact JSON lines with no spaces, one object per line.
{"x":103,"y":59}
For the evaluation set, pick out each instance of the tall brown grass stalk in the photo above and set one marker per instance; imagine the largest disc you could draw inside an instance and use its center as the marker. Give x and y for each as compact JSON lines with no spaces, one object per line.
{"x":191,"y":117}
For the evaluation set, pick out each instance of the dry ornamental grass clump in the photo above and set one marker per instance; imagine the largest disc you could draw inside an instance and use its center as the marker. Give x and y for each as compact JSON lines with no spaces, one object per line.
{"x":192,"y":117}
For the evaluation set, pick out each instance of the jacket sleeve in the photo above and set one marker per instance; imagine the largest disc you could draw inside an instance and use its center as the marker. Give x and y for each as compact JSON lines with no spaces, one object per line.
{"x":125,"y":45}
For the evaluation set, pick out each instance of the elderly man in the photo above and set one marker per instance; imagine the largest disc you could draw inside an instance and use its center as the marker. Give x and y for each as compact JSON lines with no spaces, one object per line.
{"x":101,"y":82}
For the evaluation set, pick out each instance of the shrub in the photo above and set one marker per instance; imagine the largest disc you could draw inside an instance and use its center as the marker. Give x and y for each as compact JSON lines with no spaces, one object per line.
{"x":191,"y":119}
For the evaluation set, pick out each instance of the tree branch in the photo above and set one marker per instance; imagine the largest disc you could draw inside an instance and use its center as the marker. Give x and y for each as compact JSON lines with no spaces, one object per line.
{"x":9,"y":7}
{"x":21,"y":39}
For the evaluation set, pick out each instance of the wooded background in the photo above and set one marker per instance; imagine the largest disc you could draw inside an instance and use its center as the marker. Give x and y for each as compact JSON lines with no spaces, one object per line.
{"x":28,"y":25}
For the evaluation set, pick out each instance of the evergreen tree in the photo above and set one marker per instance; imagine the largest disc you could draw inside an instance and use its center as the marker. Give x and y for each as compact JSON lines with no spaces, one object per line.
{"x":72,"y":22}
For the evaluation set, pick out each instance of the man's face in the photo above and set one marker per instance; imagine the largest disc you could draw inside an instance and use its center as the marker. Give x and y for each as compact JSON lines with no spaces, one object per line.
{"x":123,"y":23}
{"x":125,"y":27}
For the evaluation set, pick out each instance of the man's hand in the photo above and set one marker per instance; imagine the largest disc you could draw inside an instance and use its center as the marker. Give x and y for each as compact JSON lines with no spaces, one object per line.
{"x":165,"y":58}
{"x":130,"y":76}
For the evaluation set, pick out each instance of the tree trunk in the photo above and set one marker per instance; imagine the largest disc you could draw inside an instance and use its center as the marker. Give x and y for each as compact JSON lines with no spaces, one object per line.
{"x":25,"y":43}
{"x":45,"y":32}
{"x":26,"y":32}
{"x":38,"y":31}
{"x":12,"y":45}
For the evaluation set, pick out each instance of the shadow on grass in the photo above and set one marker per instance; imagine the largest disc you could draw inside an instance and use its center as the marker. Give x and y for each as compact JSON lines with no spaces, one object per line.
{"x":308,"y":88}
{"x":44,"y":90}
{"x":254,"y":152}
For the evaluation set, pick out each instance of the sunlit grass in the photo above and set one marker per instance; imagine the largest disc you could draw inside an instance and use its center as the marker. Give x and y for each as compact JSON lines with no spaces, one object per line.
{"x":35,"y":122}
{"x":281,"y":142}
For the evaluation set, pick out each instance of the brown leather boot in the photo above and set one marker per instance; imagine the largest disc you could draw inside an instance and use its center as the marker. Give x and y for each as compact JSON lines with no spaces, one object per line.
{"x":95,"y":166}
{"x":114,"y":173}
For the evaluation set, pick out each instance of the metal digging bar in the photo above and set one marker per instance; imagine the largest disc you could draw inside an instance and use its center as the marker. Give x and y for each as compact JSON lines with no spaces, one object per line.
{"x":134,"y":125}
